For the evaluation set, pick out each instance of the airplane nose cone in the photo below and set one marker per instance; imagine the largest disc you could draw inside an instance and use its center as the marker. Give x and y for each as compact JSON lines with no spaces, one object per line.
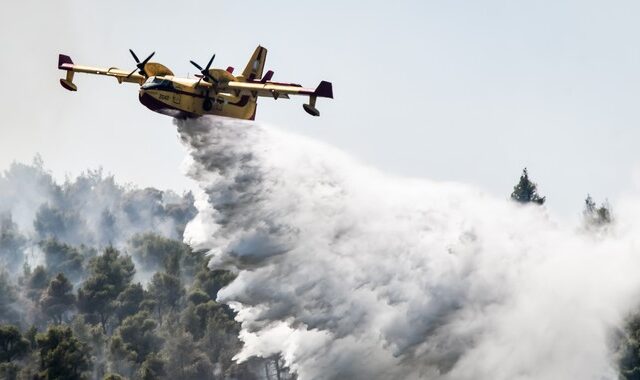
{"x":149,"y":101}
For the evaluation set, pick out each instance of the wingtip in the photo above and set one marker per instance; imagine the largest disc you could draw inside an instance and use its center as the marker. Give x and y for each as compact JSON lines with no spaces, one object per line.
{"x":68,"y":85}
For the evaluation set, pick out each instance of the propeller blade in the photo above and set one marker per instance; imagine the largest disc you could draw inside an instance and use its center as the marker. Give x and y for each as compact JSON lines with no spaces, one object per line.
{"x":210,"y":62}
{"x":205,"y":71}
{"x":141,"y":65}
{"x":148,"y":58}
{"x":134,"y":56}
{"x":196,"y":65}
{"x":131,"y":73}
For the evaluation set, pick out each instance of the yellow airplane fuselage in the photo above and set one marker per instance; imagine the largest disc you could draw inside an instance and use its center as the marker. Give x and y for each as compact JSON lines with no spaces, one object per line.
{"x":180,"y":97}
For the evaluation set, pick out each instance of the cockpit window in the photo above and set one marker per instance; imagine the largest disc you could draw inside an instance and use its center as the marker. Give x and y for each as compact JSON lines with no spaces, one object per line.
{"x":158,"y":83}
{"x":154,"y":80}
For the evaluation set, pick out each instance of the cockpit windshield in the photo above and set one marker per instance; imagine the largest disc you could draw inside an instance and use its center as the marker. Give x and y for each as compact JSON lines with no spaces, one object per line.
{"x":157,"y":83}
{"x":153,"y":80}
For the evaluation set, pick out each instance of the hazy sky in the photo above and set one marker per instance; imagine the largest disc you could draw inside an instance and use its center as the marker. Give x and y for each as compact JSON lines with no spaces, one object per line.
{"x":467,"y":91}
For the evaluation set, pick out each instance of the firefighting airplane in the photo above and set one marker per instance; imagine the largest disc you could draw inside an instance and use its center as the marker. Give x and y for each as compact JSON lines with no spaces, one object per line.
{"x":213,"y":91}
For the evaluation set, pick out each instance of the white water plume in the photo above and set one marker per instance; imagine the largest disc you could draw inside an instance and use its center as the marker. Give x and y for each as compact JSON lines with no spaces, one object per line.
{"x":353,"y":274}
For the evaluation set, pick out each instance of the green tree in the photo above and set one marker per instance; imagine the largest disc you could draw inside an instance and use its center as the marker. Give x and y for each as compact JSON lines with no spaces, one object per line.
{"x":198,"y":318}
{"x":108,"y":227}
{"x":198,"y":296}
{"x":62,"y":356}
{"x":156,"y":252}
{"x":110,"y":274}
{"x":219,"y":336}
{"x":135,"y":338}
{"x":152,"y":368}
{"x":62,"y":258}
{"x":526,"y":191}
{"x":166,"y":290}
{"x":185,"y":360}
{"x":129,"y":301}
{"x":57,"y":300}
{"x":629,"y":360}
{"x":9,"y":305}
{"x":594,"y":216}
{"x":211,"y":281}
{"x":30,"y":335}
{"x":36,"y":283}
{"x":12,"y":244}
{"x":9,"y":371}
{"x":54,"y":222}
{"x":93,"y":336}
{"x":12,"y":345}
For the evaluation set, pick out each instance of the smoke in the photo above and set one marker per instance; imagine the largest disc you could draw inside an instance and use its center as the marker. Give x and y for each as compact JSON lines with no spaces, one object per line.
{"x":91,"y":209}
{"x":62,"y":225}
{"x":351,"y":273}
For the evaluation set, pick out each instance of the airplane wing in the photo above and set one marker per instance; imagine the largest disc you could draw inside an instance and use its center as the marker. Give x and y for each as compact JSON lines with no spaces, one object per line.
{"x":65,"y":63}
{"x":274,"y":90}
{"x":270,"y":89}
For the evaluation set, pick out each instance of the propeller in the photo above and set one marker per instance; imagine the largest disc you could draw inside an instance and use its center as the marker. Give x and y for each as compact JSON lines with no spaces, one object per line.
{"x":140,"y":65}
{"x":207,"y":104}
{"x":205,"y":71}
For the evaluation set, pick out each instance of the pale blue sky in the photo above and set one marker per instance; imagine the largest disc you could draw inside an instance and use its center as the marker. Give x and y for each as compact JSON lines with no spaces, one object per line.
{"x":466,"y":91}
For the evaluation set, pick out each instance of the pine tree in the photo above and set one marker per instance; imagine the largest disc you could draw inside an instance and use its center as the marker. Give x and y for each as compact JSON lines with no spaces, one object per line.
{"x":57,"y":300}
{"x":62,"y":356}
{"x":129,"y":301}
{"x":167,"y":291}
{"x":62,"y":258}
{"x":12,"y":243}
{"x":36,"y":283}
{"x":135,"y":339}
{"x":152,"y":368}
{"x":526,"y":190}
{"x":594,"y":216}
{"x":9,"y":306}
{"x":110,"y":275}
{"x":156,"y":252}
{"x":12,"y":345}
{"x":185,"y":360}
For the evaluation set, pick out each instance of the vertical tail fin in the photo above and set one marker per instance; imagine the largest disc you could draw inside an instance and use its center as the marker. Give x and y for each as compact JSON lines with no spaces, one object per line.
{"x":255,"y":66}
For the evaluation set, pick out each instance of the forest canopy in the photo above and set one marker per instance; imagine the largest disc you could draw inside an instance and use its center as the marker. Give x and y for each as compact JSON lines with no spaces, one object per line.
{"x":97,"y":284}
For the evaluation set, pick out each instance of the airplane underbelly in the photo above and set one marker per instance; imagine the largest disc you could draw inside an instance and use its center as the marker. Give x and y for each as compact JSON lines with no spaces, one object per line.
{"x":167,"y":103}
{"x":182,"y":105}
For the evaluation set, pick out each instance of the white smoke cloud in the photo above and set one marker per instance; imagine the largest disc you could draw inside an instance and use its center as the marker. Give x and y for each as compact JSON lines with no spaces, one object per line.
{"x":90,"y":209}
{"x":350,"y":273}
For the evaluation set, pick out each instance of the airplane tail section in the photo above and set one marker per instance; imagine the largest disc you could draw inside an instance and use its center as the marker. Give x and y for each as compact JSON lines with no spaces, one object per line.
{"x":253,"y":71}
{"x":255,"y":66}
{"x":65,"y":63}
